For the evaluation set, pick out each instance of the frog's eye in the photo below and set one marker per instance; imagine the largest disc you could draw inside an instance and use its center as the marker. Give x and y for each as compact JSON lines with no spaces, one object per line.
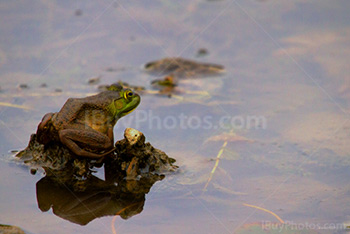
{"x":128,"y":94}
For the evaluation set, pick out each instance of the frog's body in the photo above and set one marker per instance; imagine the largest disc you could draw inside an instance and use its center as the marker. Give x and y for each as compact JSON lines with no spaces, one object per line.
{"x":85,"y":125}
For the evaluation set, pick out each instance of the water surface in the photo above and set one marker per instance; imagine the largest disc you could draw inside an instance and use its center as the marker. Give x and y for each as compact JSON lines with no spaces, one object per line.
{"x":286,"y":61}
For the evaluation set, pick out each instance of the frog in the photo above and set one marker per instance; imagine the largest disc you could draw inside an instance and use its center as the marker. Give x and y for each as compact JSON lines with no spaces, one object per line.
{"x":85,"y":125}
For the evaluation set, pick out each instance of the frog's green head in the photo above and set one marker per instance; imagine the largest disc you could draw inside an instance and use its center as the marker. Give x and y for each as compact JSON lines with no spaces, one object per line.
{"x":126,"y":103}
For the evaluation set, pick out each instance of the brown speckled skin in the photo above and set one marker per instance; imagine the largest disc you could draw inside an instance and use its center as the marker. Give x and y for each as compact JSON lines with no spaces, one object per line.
{"x":84,"y":125}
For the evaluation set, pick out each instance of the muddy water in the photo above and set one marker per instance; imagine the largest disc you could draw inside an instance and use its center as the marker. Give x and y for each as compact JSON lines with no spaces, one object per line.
{"x":285,"y":96}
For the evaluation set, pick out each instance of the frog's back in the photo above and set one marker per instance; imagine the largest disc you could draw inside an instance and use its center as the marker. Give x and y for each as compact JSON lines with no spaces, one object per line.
{"x":78,"y":109}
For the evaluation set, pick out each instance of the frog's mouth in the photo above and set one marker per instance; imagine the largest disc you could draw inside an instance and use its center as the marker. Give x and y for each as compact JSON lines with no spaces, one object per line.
{"x":129,"y":111}
{"x":132,"y":108}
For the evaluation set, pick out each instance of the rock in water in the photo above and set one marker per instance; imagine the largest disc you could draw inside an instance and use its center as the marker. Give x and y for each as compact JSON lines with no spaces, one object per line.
{"x":9,"y":229}
{"x":133,"y":159}
{"x":137,"y":159}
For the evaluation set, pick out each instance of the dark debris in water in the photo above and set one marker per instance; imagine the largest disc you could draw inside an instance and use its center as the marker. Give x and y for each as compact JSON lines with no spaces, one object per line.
{"x":183,"y":68}
{"x":58,"y":90}
{"x":94,"y":80}
{"x":202,"y":52}
{"x":168,"y":81}
{"x":23,"y":86}
{"x":78,"y":12}
{"x":175,"y":69}
{"x":115,"y":69}
{"x":137,"y":88}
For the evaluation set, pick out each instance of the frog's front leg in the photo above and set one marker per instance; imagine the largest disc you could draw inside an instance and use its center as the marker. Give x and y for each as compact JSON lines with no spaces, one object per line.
{"x":94,"y":140}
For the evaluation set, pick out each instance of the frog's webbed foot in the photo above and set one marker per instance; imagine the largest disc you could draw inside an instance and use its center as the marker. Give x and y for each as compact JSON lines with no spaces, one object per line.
{"x":104,"y":155}
{"x":94,"y":140}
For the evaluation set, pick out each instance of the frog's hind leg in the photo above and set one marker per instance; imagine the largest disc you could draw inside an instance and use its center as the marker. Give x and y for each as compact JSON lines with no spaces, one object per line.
{"x":43,"y":130}
{"x":95,"y":140}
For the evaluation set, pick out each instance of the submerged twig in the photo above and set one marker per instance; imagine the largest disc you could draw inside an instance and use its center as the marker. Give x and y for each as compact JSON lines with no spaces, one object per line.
{"x":14,"y":105}
{"x":268,"y":211}
{"x":118,"y":214}
{"x":216,"y":165}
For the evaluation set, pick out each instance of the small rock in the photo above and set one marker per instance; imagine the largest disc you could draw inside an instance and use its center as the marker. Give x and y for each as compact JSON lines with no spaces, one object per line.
{"x":137,"y":159}
{"x":23,"y":86}
{"x":134,"y":136}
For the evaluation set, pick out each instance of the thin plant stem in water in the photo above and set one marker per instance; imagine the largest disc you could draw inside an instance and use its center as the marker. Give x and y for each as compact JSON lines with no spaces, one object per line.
{"x":263,"y":209}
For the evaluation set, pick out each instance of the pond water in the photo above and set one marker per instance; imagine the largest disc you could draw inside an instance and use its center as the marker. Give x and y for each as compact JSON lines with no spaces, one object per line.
{"x":282,"y":107}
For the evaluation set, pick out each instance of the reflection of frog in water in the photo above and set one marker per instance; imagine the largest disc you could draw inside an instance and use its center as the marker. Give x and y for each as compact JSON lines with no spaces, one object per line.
{"x":85,"y":125}
{"x":98,"y":198}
